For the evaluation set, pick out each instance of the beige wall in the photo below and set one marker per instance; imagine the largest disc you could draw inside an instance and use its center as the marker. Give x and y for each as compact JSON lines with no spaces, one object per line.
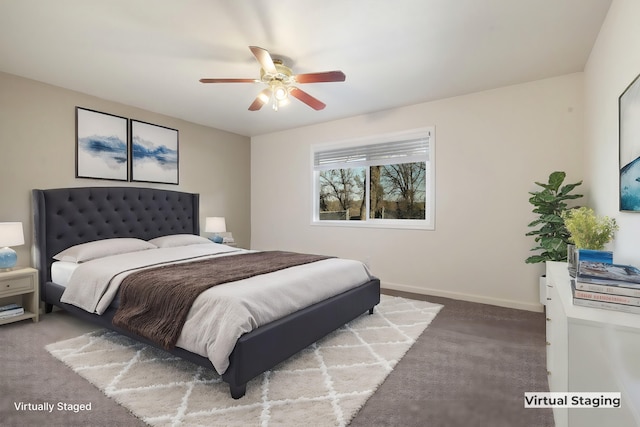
{"x":37,"y":150}
{"x":612,"y":66}
{"x":490,"y":148}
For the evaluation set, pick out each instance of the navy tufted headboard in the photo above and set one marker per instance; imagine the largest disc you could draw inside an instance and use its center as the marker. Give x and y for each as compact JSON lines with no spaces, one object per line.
{"x":65,"y":217}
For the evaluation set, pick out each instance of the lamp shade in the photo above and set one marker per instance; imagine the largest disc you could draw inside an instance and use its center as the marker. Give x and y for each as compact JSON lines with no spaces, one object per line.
{"x":215,"y":224}
{"x":11,"y":234}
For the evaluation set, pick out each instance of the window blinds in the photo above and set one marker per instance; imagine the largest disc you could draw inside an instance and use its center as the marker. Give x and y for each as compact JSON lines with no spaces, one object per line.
{"x":392,"y":152}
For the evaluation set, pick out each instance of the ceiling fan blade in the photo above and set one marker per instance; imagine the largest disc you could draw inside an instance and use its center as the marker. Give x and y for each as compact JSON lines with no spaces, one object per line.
{"x":306,"y":98}
{"x":229,"y":81}
{"x":262,"y":98}
{"x":327,"y":76}
{"x":264,"y":58}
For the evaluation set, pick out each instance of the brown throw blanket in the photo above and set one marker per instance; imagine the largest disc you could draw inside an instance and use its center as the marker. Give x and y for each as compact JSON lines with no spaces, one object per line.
{"x":154,"y":303}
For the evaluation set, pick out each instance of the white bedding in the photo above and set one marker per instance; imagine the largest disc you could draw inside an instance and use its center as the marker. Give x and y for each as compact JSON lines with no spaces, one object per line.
{"x":61,"y":272}
{"x":220,"y":315}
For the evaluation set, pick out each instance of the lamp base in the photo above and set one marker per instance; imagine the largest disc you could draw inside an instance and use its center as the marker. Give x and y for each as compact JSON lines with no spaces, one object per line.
{"x":217,"y":238}
{"x":8,"y":258}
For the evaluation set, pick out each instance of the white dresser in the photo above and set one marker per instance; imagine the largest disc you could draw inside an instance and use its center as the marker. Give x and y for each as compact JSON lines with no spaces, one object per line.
{"x":591,"y":350}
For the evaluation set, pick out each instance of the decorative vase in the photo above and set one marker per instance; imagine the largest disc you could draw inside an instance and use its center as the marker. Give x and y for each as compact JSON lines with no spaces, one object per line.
{"x":572,"y":260}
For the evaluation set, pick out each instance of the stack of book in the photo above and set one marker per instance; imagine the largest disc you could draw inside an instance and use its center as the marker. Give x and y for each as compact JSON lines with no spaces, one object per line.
{"x":608,"y":286}
{"x":10,"y":310}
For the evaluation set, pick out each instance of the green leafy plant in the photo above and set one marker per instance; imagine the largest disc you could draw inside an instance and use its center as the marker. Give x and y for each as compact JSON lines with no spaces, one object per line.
{"x":552,"y":236}
{"x":588,"y":230}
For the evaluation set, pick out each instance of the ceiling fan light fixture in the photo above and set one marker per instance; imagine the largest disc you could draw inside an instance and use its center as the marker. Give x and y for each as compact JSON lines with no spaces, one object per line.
{"x":280,"y":92}
{"x":263,"y":97}
{"x":277,"y":103}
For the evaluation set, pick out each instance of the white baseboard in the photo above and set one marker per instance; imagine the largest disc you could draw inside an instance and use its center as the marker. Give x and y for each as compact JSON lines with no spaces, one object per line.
{"x":464,"y":297}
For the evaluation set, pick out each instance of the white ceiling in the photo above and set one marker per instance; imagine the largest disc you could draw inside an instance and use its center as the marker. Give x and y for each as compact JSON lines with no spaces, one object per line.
{"x":151,"y":53}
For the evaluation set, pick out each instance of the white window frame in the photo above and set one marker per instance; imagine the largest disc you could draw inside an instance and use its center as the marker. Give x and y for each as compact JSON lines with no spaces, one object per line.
{"x":420,"y":224}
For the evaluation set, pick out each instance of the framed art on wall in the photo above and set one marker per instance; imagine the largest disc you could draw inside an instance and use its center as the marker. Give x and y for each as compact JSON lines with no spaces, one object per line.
{"x":101,"y":145}
{"x":154,"y":153}
{"x":629,"y":129}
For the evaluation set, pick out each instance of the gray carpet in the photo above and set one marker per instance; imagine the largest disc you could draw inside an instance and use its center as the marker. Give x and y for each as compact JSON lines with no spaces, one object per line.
{"x":470,"y":368}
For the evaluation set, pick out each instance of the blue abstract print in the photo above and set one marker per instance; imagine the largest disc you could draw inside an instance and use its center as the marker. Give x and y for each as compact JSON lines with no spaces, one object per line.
{"x":154,"y":153}
{"x":629,"y":110}
{"x":102,"y":150}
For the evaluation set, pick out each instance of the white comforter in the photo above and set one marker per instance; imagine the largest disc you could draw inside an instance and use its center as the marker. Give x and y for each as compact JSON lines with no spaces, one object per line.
{"x":220,"y":315}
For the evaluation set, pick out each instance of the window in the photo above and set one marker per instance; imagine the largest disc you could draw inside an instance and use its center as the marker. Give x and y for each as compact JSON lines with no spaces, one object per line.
{"x":386,"y":181}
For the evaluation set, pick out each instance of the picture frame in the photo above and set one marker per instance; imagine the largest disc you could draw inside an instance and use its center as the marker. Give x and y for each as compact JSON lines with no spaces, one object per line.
{"x":102,"y":150}
{"x":629,"y":147}
{"x":154,"y":153}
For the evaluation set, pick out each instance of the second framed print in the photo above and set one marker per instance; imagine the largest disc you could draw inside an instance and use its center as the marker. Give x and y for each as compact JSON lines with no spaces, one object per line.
{"x":154,"y":153}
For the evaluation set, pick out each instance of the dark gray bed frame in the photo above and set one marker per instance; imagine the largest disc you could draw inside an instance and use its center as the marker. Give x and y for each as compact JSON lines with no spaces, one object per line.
{"x":69,"y":216}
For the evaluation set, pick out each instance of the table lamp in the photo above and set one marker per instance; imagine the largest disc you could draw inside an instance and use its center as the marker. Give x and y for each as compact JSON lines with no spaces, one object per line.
{"x":11,"y":234}
{"x":216,"y":225}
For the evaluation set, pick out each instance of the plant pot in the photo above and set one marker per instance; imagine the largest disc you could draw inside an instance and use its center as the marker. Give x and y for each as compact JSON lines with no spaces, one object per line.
{"x":543,"y":289}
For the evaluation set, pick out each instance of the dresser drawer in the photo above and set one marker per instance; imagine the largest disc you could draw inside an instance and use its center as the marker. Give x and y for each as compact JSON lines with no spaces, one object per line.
{"x":16,"y":284}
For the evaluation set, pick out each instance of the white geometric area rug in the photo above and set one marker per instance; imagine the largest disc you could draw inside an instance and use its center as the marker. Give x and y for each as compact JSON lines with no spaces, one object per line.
{"x":324,"y":385}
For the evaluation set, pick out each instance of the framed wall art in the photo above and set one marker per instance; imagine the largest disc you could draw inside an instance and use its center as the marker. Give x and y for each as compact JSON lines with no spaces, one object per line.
{"x":101,"y":145}
{"x":629,"y":140}
{"x":154,"y":153}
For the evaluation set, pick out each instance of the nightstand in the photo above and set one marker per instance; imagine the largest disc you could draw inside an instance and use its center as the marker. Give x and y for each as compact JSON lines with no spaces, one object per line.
{"x":20,"y":286}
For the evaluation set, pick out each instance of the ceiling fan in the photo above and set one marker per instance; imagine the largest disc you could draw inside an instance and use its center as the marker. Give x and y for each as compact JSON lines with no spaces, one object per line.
{"x":280,"y":81}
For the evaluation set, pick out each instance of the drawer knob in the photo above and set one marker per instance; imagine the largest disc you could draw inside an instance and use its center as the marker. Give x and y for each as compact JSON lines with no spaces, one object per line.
{"x":548,"y":372}
{"x":548,"y":319}
{"x":548,"y":343}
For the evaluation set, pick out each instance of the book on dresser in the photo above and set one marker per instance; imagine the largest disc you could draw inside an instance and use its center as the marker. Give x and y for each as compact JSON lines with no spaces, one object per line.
{"x":11,"y":310}
{"x":604,"y":300}
{"x":616,"y":273}
{"x":605,"y":286}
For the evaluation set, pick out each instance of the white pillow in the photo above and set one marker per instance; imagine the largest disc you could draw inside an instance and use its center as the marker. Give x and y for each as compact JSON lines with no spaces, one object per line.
{"x":174,"y":240}
{"x":102,"y":248}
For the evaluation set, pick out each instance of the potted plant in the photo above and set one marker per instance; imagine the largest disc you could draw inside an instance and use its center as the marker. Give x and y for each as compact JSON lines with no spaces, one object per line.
{"x":589,"y":233}
{"x":588,"y":230}
{"x":552,"y":236}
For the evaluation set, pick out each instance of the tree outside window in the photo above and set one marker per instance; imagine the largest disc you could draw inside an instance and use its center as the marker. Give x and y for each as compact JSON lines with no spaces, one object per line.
{"x":398,"y":191}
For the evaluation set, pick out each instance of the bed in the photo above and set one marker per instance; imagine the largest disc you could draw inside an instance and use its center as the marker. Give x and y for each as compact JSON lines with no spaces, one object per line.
{"x":67,"y":217}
